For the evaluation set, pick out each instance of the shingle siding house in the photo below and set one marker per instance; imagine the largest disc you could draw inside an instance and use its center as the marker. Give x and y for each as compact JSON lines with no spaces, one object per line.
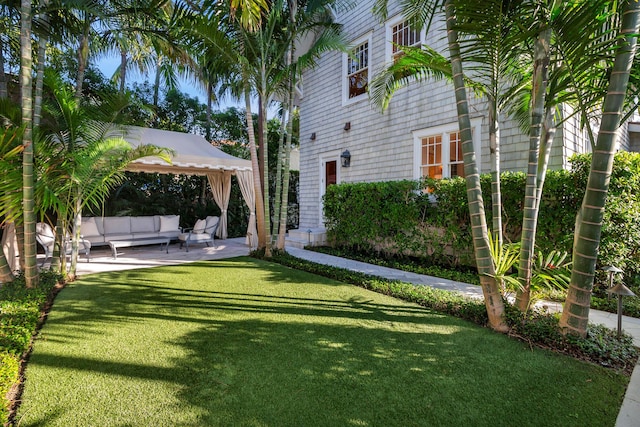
{"x":417,"y":134}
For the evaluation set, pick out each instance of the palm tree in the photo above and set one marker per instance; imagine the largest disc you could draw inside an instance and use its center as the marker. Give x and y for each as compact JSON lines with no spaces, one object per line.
{"x":316,"y":23}
{"x":589,"y":220}
{"x":422,"y":12}
{"x":29,"y":218}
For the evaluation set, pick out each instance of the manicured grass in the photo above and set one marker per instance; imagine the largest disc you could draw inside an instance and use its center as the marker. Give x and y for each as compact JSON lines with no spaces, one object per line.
{"x":248,"y":343}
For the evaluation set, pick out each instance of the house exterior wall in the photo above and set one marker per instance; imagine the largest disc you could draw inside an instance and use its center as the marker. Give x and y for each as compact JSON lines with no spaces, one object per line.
{"x":383,"y":145}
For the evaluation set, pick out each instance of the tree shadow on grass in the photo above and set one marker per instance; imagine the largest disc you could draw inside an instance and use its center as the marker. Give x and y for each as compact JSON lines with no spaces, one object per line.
{"x":279,"y":351}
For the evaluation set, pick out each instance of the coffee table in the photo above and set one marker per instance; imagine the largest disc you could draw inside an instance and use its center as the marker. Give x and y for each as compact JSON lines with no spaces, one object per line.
{"x":127,"y":243}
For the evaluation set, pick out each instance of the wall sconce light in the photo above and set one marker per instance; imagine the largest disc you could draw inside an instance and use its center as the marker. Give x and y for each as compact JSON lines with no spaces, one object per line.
{"x":347,"y":126}
{"x":313,"y":136}
{"x":345,"y":158}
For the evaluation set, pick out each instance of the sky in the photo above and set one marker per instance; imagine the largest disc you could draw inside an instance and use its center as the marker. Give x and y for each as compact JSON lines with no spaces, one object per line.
{"x":108,"y":66}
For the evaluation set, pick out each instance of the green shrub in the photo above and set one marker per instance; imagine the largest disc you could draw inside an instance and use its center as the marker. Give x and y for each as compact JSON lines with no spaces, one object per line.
{"x":396,"y":218}
{"x":20,"y":310}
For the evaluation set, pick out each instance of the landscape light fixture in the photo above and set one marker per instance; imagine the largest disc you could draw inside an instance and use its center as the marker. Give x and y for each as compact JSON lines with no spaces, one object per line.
{"x":621,"y":291}
{"x":611,"y":270}
{"x":345,"y":158}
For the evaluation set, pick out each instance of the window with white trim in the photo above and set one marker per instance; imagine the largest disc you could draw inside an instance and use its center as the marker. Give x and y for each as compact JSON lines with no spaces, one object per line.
{"x":400,"y":33}
{"x":438,"y":150}
{"x":358,"y":70}
{"x":355,"y":70}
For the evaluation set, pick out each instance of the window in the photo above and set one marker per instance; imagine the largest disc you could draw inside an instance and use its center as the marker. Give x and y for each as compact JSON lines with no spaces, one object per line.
{"x":438,"y":150}
{"x":356,"y":70}
{"x":401,"y":33}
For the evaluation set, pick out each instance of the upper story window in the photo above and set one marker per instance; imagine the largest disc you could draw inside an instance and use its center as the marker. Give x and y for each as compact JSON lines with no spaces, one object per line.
{"x":438,"y":150}
{"x":401,"y":33}
{"x":358,"y":70}
{"x":356,"y":73}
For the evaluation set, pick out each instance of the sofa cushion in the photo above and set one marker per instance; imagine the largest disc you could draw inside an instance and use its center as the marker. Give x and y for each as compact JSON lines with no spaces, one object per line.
{"x":117,"y":225}
{"x":169,"y":223}
{"x":88,"y":227}
{"x":142,"y":224}
{"x":200,"y":225}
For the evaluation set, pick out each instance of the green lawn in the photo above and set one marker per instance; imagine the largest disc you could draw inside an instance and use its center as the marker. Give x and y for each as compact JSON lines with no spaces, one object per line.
{"x":246,"y":343}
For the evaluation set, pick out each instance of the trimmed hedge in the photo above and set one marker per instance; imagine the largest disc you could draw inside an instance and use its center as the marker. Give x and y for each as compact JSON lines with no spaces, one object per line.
{"x":398,"y":219}
{"x":20,"y":311}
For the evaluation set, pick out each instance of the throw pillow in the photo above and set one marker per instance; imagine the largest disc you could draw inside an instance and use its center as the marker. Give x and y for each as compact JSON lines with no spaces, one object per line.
{"x":169,"y":223}
{"x":212,"y":221}
{"x":89,"y":228}
{"x":199,"y":227}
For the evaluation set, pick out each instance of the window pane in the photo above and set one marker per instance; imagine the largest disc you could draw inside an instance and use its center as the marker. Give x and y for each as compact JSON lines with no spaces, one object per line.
{"x":456,"y":160}
{"x":357,"y":69}
{"x":403,"y":35}
{"x":432,"y":156}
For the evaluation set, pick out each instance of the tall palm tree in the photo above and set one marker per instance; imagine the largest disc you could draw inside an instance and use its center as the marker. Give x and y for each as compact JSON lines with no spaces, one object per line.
{"x":589,"y":219}
{"x":26,"y":91}
{"x":314,"y":22}
{"x":424,"y":11}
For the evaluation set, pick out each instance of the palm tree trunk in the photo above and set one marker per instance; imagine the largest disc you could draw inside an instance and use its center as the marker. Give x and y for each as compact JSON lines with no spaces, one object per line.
{"x":75,"y":237}
{"x":496,"y":194}
{"x":257,"y":183}
{"x":156,"y":83}
{"x":31,"y":268}
{"x":123,"y":70}
{"x":42,"y":50}
{"x":286,"y":172}
{"x":575,"y":315}
{"x":277,"y":197}
{"x":209,"y":109}
{"x":546,"y":143}
{"x":83,"y":56}
{"x":4,"y":93}
{"x":530,"y":214}
{"x":265,"y":153}
{"x":490,"y":287}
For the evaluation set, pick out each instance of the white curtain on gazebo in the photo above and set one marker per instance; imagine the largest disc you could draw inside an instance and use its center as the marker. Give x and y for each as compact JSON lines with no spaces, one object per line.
{"x":10,"y":246}
{"x":221,"y":188}
{"x":245,"y":179}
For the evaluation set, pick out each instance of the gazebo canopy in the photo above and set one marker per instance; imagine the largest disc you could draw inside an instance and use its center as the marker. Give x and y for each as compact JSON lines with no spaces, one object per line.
{"x":193,"y":155}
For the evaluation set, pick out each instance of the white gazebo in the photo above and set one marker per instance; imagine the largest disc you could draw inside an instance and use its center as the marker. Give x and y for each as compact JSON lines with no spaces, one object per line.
{"x":194,"y":155}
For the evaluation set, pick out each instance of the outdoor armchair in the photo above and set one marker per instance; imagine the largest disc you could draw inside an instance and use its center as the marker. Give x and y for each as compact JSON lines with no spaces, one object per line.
{"x":203,"y":231}
{"x":46,"y":238}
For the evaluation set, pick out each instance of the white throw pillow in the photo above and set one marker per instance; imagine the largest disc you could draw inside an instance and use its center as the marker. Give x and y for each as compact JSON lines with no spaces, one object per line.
{"x":89,"y":228}
{"x":199,"y":227}
{"x":169,"y":223}
{"x":212,"y":221}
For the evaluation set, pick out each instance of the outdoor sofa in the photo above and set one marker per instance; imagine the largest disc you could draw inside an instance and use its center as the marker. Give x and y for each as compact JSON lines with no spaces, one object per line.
{"x":101,"y":230}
